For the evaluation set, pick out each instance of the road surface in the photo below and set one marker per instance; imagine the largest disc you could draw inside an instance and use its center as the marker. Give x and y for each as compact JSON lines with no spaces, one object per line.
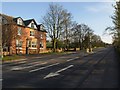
{"x":97,"y":70}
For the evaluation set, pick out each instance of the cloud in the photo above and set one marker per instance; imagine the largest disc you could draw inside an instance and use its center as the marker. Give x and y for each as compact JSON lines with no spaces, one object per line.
{"x":92,"y":9}
{"x":57,"y":0}
{"x":107,"y":39}
{"x":105,"y":7}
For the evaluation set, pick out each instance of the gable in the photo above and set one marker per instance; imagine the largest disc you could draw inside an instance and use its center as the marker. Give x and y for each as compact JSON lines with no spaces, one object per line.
{"x":4,"y":21}
{"x":32,"y":24}
{"x":41,"y":28}
{"x":20,"y":21}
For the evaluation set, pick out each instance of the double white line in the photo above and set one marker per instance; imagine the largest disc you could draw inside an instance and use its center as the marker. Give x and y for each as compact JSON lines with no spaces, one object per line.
{"x":43,"y":67}
{"x":21,"y":68}
{"x":72,"y":59}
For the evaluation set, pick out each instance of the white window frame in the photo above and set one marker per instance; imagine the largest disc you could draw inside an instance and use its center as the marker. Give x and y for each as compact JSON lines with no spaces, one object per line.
{"x":41,"y":45}
{"x":19,"y":21}
{"x":32,"y":33}
{"x":41,"y":27}
{"x":41,"y":36}
{"x":19,"y":43}
{"x":19,"y":31}
{"x":29,"y":43}
{"x":32,"y":45}
{"x":32,"y":25}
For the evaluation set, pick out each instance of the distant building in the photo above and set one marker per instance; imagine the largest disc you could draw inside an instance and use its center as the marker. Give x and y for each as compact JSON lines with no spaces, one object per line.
{"x":22,"y":36}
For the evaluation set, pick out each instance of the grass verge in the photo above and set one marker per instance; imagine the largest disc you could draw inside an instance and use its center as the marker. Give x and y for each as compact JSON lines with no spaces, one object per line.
{"x":12,"y":57}
{"x":15,"y":57}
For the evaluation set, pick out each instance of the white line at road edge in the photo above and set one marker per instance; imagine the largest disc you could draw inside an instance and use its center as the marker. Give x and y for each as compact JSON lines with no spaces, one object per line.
{"x":72,"y":59}
{"x":43,"y":67}
{"x":1,"y":79}
{"x":20,"y":68}
{"x":52,"y":74}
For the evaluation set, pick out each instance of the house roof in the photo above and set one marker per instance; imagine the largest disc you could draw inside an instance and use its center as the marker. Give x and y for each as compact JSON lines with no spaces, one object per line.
{"x":39,"y":28}
{"x":25,"y":22}
{"x":15,"y":20}
{"x":8,"y":18}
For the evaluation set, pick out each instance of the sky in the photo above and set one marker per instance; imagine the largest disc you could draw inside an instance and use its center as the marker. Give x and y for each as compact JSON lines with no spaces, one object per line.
{"x":95,"y":14}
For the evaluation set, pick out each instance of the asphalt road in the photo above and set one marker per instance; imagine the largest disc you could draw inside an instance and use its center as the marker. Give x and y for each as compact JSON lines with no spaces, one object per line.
{"x":97,"y":70}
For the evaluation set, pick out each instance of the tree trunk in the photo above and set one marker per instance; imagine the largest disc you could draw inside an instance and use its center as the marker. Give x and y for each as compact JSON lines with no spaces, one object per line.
{"x":54,"y":45}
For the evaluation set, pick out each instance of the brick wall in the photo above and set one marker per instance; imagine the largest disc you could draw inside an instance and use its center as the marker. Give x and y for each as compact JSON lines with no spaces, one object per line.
{"x":26,"y":35}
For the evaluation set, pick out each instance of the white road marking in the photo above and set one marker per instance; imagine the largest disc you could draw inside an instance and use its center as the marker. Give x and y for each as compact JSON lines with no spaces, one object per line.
{"x":37,"y":57}
{"x":64,"y":57}
{"x":23,"y":59}
{"x":21,"y":62}
{"x":51,"y":75}
{"x":1,"y":79}
{"x":57,"y":72}
{"x":64,"y":68}
{"x":32,"y":63}
{"x":52,"y":59}
{"x":72,"y":59}
{"x":38,"y":62}
{"x":44,"y":67}
{"x":15,"y":61}
{"x":20,"y":68}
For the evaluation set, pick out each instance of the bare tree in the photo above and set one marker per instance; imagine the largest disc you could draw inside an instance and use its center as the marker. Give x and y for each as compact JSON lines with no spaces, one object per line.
{"x":82,"y":34}
{"x":53,"y":20}
{"x":9,"y":31}
{"x":67,"y":23}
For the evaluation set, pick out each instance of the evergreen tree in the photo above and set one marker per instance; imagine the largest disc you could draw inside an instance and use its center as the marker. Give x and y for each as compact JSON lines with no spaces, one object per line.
{"x":116,"y":21}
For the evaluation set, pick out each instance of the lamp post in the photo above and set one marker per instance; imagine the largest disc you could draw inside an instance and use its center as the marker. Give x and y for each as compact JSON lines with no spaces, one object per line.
{"x":27,"y":46}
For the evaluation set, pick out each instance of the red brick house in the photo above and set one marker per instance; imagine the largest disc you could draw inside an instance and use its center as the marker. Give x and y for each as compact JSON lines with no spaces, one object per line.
{"x":28,"y":38}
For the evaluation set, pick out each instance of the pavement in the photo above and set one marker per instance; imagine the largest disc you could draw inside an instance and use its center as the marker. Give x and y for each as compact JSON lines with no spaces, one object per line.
{"x":75,"y":70}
